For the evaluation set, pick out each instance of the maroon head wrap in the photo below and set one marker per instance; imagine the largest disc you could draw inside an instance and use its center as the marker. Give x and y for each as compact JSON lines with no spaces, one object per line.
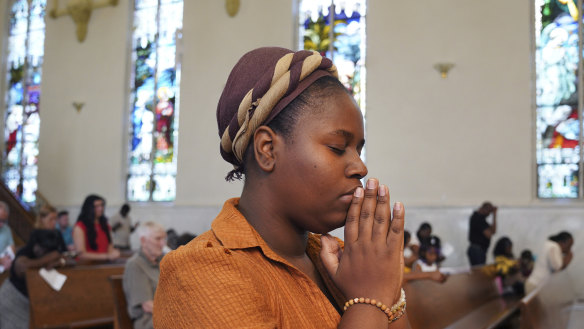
{"x":260,"y":85}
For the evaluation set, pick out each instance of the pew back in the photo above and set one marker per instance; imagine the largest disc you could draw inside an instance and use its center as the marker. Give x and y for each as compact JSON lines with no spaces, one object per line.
{"x":432,"y":305}
{"x":121,"y":317}
{"x":549,"y":306}
{"x":84,"y":300}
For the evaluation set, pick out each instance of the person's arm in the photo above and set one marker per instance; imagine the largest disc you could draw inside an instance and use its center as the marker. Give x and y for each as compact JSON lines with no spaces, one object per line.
{"x":50,"y":260}
{"x":494,"y":224}
{"x":138,"y":289}
{"x":566,"y":259}
{"x":116,"y":226}
{"x":434,"y":276}
{"x":79,"y":241}
{"x":371,"y":264}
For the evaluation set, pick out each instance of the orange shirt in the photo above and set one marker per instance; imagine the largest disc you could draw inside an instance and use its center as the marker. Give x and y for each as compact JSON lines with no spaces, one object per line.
{"x":228,"y":277}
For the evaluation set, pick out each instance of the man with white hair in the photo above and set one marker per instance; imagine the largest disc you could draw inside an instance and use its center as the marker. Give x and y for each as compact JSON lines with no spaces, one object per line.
{"x":6,"y":241}
{"x":142,"y":272}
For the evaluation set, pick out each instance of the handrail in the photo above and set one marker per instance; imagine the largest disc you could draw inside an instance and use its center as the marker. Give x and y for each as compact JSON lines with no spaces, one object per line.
{"x":21,"y":219}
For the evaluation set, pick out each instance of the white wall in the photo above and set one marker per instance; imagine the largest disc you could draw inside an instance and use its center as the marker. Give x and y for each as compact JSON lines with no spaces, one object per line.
{"x":434,"y":141}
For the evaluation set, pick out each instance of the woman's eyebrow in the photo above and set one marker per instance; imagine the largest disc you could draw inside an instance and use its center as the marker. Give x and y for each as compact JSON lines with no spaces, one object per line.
{"x":342,"y":132}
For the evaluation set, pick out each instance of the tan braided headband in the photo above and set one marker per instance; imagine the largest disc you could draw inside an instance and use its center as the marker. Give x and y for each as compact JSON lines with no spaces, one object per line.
{"x":260,"y":85}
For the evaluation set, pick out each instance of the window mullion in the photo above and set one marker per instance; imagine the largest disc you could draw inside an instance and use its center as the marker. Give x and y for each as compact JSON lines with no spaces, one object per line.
{"x":154,"y":103}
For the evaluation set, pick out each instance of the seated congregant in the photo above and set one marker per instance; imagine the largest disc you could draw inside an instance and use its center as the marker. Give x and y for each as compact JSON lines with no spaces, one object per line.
{"x":142,"y":272}
{"x":65,"y":229}
{"x":555,"y":256}
{"x":92,"y":233}
{"x":428,"y":259}
{"x":507,"y":267}
{"x":6,"y":241}
{"x":410,"y":252}
{"x":43,"y":249}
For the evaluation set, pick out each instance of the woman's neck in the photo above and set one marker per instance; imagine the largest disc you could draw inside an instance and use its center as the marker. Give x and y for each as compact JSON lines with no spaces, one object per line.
{"x":279,"y":232}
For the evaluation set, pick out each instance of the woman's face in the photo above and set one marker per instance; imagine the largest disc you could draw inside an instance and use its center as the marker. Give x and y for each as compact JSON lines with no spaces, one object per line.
{"x":317,"y":171}
{"x":566,"y":246}
{"x":98,"y":208}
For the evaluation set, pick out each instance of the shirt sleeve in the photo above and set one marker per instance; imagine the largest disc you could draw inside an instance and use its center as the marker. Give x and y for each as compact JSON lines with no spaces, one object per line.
{"x":555,"y":257}
{"x":137,"y":289}
{"x":209,"y":287}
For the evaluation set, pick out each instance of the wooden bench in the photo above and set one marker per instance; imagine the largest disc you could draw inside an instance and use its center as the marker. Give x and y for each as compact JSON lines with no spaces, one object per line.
{"x":85,"y":300}
{"x":550,"y":305}
{"x":466,"y":300}
{"x":122,"y":319}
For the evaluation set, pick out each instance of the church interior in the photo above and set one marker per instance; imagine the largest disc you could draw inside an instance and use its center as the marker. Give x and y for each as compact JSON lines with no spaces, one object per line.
{"x":449,"y":91}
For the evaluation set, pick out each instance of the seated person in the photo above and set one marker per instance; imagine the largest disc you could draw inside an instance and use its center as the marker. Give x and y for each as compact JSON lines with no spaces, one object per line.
{"x":507,"y":267}
{"x":424,"y":236}
{"x":42,"y":250}
{"x":6,"y":241}
{"x":185,"y":238}
{"x":555,"y":256}
{"x":65,"y":229}
{"x":142,"y":272}
{"x":428,"y":261}
{"x":410,"y":252}
{"x":91,"y":234}
{"x":526,"y":262}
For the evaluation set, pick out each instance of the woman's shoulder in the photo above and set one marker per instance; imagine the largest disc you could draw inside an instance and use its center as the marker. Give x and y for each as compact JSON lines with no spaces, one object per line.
{"x":80,"y":225}
{"x":203,"y":250}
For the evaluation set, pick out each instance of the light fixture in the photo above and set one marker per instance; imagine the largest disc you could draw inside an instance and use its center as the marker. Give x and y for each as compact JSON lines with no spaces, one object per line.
{"x":443,"y":68}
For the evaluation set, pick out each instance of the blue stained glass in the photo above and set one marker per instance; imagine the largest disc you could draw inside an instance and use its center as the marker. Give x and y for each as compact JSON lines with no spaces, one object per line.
{"x":557,"y":121}
{"x":154,"y":115}
{"x":24,"y":75}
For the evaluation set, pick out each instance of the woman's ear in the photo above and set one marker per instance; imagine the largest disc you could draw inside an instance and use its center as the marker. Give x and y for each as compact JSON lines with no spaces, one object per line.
{"x":263,"y":148}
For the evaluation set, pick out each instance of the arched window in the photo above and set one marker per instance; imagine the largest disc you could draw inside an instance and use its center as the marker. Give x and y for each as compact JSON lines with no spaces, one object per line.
{"x":559,"y":97}
{"x":155,"y":81}
{"x":23,"y":69}
{"x":345,"y":42}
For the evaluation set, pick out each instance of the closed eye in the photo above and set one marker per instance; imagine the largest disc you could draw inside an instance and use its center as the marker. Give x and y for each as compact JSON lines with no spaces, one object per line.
{"x":337,"y":150}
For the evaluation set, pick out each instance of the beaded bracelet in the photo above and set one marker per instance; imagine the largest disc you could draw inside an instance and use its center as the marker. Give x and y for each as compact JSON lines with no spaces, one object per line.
{"x":393,"y":313}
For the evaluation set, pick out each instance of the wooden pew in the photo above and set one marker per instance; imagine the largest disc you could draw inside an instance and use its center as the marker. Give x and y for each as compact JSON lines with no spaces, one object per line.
{"x":85,"y":300}
{"x":550,"y":305}
{"x":466,"y":300}
{"x":121,"y":317}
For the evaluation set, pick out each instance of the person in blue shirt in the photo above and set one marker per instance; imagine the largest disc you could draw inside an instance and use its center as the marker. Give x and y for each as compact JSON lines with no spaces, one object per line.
{"x":65,"y":229}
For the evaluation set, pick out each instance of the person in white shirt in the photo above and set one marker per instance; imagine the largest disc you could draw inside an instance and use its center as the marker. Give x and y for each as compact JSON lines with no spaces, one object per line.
{"x":555,"y":256}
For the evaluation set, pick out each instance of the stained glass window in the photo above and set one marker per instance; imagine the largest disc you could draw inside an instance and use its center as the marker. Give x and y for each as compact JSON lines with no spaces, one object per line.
{"x":344,"y":42}
{"x":558,"y":120}
{"x":154,"y":100}
{"x":24,"y":61}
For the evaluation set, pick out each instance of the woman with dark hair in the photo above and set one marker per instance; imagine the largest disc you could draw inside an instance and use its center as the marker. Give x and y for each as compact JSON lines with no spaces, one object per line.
{"x":294,"y":131}
{"x":43,"y":249}
{"x":91,"y":234}
{"x":556,"y":256}
{"x":507,"y":267}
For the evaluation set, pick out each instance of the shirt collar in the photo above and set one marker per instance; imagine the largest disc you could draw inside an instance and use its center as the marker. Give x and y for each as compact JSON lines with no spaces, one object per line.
{"x":141,"y":254}
{"x":232,"y":229}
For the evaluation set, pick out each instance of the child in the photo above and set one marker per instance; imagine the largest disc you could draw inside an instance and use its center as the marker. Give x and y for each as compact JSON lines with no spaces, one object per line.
{"x":507,"y":268}
{"x":290,"y":127}
{"x":428,"y":261}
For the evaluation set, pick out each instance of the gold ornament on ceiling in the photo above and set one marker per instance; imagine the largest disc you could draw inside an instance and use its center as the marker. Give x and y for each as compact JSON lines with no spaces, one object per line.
{"x":80,"y":12}
{"x":232,"y":7}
